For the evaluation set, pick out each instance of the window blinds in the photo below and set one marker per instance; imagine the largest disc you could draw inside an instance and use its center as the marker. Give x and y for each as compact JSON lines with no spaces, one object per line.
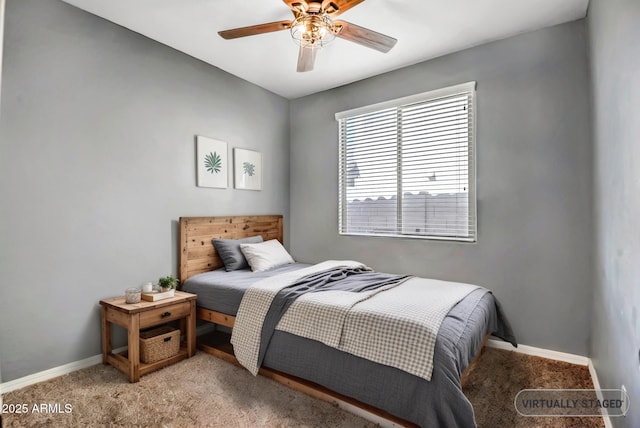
{"x":407,"y":167}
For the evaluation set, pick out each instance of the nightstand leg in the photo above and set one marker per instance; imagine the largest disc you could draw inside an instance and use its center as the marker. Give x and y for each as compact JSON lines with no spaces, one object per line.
{"x":134,"y":348}
{"x":106,"y":336}
{"x":191,"y":330}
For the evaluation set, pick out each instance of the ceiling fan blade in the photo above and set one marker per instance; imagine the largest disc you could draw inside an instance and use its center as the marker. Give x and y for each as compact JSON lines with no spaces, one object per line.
{"x":255,"y":29}
{"x":299,"y":6}
{"x":364,"y":36}
{"x":306,"y":59}
{"x":335,"y":7}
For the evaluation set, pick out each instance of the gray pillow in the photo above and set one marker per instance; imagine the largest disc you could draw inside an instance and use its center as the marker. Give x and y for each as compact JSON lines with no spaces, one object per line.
{"x":229,"y":251}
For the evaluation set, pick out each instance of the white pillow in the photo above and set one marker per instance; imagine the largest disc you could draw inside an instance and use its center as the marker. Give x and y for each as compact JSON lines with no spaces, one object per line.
{"x":266,"y":255}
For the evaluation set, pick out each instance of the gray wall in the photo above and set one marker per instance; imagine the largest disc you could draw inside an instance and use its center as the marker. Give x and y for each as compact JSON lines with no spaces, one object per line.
{"x":97,"y":164}
{"x":2,"y":6}
{"x":614,"y":36}
{"x":534,"y":181}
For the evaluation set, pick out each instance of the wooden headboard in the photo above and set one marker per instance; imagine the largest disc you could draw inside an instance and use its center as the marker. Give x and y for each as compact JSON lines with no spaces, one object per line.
{"x":197,"y":253}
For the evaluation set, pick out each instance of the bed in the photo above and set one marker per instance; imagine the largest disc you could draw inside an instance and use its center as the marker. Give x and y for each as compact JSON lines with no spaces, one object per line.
{"x":324,"y":371}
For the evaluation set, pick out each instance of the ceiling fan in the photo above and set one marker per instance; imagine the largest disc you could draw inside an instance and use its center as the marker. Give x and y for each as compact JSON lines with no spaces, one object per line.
{"x":313,"y":27}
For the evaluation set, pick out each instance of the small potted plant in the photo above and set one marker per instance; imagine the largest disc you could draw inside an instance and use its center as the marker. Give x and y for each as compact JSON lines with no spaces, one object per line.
{"x":167,"y":283}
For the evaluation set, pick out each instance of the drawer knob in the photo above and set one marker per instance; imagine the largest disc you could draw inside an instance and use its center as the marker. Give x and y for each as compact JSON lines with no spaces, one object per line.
{"x":166,"y":314}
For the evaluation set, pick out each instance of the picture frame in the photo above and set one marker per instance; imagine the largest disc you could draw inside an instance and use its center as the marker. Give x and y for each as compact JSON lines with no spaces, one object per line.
{"x":212,"y":162}
{"x":247,"y":167}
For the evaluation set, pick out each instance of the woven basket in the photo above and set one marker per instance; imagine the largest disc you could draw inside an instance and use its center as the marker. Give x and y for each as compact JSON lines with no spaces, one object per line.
{"x":159,"y":343}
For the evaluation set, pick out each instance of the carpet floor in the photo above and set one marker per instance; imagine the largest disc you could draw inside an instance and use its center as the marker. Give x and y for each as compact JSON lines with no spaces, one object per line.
{"x":499,"y":375}
{"x":204,"y":391}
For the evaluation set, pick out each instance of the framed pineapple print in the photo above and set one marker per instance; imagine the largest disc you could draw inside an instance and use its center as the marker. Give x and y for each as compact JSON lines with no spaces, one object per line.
{"x":247,"y":169}
{"x":212,"y":163}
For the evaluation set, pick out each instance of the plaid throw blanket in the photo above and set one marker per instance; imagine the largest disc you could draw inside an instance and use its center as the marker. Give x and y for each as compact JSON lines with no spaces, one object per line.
{"x":394,"y":325}
{"x":255,"y":304}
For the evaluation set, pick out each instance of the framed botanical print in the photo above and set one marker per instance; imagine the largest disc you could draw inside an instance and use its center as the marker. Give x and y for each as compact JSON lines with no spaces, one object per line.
{"x":247,"y":168}
{"x":212,"y":162}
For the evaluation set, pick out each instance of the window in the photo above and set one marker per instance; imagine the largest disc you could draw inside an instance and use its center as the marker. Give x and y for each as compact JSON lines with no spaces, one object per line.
{"x":407,"y":167}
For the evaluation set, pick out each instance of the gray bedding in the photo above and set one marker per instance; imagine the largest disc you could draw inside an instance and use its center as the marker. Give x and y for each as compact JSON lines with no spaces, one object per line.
{"x":222,"y":291}
{"x":436,"y":403}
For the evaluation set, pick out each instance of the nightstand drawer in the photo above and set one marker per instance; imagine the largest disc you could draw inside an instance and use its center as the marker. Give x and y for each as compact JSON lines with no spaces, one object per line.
{"x":160,"y":315}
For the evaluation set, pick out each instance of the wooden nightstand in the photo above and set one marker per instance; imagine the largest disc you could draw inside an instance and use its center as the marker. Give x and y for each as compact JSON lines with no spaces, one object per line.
{"x":133,"y":317}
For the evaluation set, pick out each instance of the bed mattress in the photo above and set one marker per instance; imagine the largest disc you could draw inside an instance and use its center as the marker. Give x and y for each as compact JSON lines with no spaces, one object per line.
{"x":222,"y":291}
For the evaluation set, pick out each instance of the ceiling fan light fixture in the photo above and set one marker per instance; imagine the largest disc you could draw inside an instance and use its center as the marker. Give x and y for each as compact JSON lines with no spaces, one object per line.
{"x":313,"y":30}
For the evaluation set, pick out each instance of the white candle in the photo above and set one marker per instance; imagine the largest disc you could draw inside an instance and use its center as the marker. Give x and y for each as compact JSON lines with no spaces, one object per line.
{"x":147,"y":287}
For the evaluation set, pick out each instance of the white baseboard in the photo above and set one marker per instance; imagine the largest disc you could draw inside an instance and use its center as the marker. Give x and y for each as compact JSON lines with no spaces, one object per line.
{"x":378,"y":420}
{"x":539,"y":352}
{"x":596,"y":385}
{"x":22,"y":382}
{"x":205,"y":328}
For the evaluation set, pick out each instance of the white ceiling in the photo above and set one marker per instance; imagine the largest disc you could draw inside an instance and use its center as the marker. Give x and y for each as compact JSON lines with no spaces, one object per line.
{"x":425,"y":29}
